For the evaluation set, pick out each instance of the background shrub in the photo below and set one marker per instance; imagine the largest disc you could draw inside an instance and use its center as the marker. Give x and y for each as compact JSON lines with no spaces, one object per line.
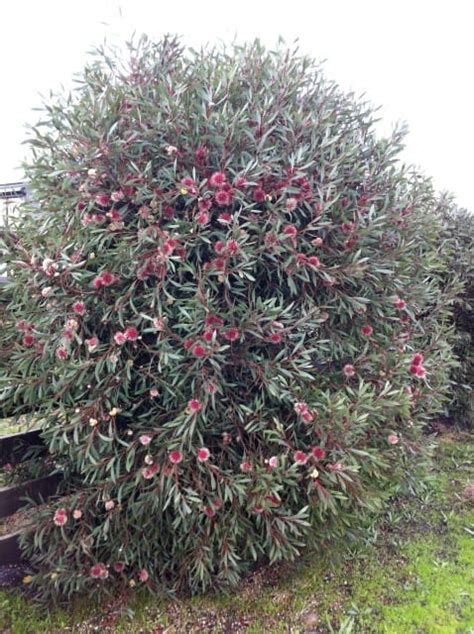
{"x":227,"y":308}
{"x":459,"y":239}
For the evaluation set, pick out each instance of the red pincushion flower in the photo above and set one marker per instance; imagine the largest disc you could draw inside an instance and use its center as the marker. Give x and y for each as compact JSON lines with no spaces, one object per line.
{"x":117,"y":195}
{"x":202,"y":218}
{"x":92,"y":343}
{"x":317,"y":242}
{"x":209,"y":511}
{"x":175,"y":457}
{"x":62,"y":354}
{"x":97,"y":283}
{"x":107,"y":278}
{"x":219,"y":264}
{"x":102,"y":199}
{"x":392,"y":439}
{"x":301,"y":259}
{"x":209,"y":335}
{"x":300,"y":408}
{"x":99,"y":571}
{"x":225,"y":218}
{"x":290,"y":231}
{"x":199,"y":351}
{"x":149,"y":472}
{"x":318,"y":453}
{"x":79,"y":308}
{"x":233,"y":334}
{"x":400,"y":304}
{"x":307,"y":417}
{"x":29,"y":340}
{"x":120,"y":338}
{"x":367,"y":331}
{"x":232,"y":247}
{"x":246,"y":467}
{"x":348,"y":370}
{"x":187,"y":182}
{"x":194,"y":406}
{"x":131,"y":333}
{"x":314,"y":261}
{"x":219,"y":247}
{"x":203,"y":454}
{"x":60,"y":517}
{"x":417,"y":359}
{"x":300,"y":457}
{"x":420,"y":372}
{"x":145,"y":439}
{"x":259,"y":195}
{"x":275,"y":337}
{"x":217,"y":179}
{"x":143,"y":575}
{"x":213,"y":321}
{"x":119,"y":567}
{"x":223,"y":198}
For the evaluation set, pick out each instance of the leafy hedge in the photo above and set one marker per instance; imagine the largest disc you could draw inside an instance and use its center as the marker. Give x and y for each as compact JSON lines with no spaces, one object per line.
{"x":227,"y":305}
{"x":459,"y":234}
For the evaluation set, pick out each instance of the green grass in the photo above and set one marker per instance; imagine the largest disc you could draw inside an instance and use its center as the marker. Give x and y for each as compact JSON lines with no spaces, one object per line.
{"x":414,"y":574}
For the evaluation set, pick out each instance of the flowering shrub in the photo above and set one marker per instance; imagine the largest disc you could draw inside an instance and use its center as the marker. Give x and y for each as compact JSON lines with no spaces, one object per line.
{"x":220,"y":300}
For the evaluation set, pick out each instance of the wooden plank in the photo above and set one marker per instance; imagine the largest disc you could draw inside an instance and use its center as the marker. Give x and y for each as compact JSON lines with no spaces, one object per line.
{"x":13,"y":446}
{"x":39,"y":489}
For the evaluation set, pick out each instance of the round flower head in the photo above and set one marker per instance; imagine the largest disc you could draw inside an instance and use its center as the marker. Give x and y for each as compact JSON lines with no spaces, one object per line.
{"x":145,"y":439}
{"x":223,"y":198}
{"x":392,"y":439}
{"x":28,"y":340}
{"x":203,"y":454}
{"x":417,"y":359}
{"x":199,"y":351}
{"x":246,"y":467}
{"x":217,"y":179}
{"x":300,"y":457}
{"x":367,"y":331}
{"x":233,"y":334}
{"x":348,"y":370}
{"x":194,"y":406}
{"x":300,"y":407}
{"x":92,"y":343}
{"x":77,"y":514}
{"x":131,"y":333}
{"x":120,"y":338}
{"x":275,"y":337}
{"x":318,"y":453}
{"x":99,"y":571}
{"x":143,"y":576}
{"x":400,"y":304}
{"x":175,"y":457}
{"x":60,"y":517}
{"x":79,"y":308}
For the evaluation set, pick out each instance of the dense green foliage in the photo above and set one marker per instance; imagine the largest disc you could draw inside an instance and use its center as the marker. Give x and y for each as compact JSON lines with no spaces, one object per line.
{"x":459,"y":234}
{"x":227,"y":308}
